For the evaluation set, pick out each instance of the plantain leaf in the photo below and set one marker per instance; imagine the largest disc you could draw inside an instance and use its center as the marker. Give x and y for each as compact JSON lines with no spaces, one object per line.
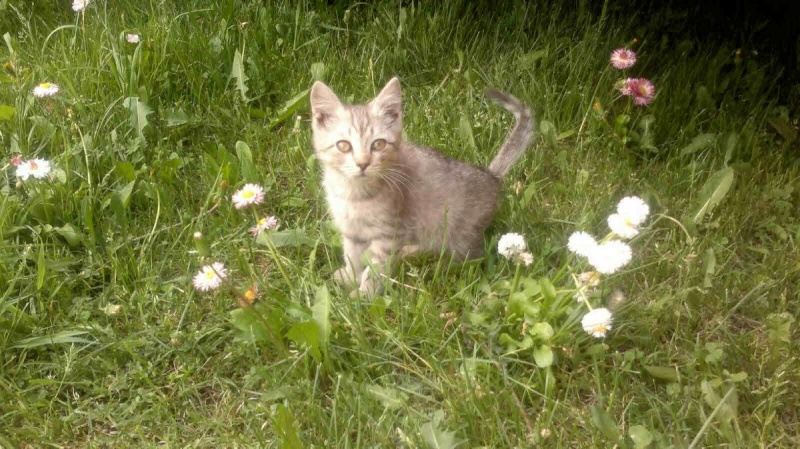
{"x":465,"y":131}
{"x":666,"y":373}
{"x":605,"y":423}
{"x":700,"y":142}
{"x":712,"y":193}
{"x":237,"y":73}
{"x":139,"y":112}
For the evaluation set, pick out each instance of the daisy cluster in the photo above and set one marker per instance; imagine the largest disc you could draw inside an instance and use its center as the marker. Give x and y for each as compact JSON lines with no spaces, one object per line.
{"x":641,"y":89}
{"x":211,"y":276}
{"x":37,"y":168}
{"x":606,"y":257}
{"x":512,"y":246}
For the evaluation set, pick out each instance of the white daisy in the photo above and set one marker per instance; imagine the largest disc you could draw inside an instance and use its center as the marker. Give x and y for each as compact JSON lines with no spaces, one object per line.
{"x":581,"y":243}
{"x":633,"y":210}
{"x":609,"y":257}
{"x":622,"y":227}
{"x":210,"y":277}
{"x":38,"y":168}
{"x":597,"y":322}
{"x":79,"y":5}
{"x":45,"y":90}
{"x":264,"y":224}
{"x":132,"y":38}
{"x":247,"y":195}
{"x":511,"y":244}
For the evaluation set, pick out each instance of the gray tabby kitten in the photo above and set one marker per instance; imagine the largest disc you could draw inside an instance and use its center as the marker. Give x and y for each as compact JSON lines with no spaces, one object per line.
{"x":391,"y":198}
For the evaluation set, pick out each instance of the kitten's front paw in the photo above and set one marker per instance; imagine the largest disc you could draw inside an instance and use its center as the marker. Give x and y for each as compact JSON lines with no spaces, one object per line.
{"x":370,"y":284}
{"x":345,"y":277}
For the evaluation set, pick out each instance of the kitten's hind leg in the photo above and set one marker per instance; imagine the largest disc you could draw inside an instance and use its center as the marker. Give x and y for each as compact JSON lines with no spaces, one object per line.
{"x":350,"y":273}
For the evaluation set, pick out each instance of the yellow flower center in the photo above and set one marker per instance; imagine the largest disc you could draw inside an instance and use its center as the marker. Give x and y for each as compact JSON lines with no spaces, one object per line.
{"x":261,"y":223}
{"x":210,"y":275}
{"x":45,"y":85}
{"x":641,"y":90}
{"x":247,"y":194}
{"x":250,"y":295}
{"x":600,"y":328}
{"x":33,"y":165}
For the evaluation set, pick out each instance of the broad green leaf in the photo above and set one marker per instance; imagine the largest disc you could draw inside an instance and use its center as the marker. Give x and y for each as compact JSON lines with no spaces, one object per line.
{"x":251,"y":327}
{"x":730,"y":142}
{"x":436,"y":437}
{"x":70,"y":234}
{"x":548,"y":290}
{"x":237,"y":73}
{"x":63,"y":337}
{"x":666,"y":373}
{"x":286,"y":429}
{"x":548,"y":131}
{"x":139,"y":112}
{"x":176,"y":117}
{"x":289,"y":108}
{"x":318,"y":71}
{"x":246,"y":165}
{"x":543,"y":356}
{"x":391,"y":398}
{"x":605,"y":423}
{"x":465,"y":131}
{"x":306,"y":334}
{"x":542,"y":330}
{"x":727,"y":409}
{"x":321,"y":314}
{"x":712,"y":193}
{"x":289,"y":237}
{"x":125,"y":171}
{"x":700,"y":142}
{"x":123,"y":195}
{"x":641,"y":436}
{"x":7,"y":112}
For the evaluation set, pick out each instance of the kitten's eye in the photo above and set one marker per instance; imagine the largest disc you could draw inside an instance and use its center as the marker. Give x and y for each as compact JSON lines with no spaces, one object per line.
{"x":378,"y":145}
{"x":344,"y":146}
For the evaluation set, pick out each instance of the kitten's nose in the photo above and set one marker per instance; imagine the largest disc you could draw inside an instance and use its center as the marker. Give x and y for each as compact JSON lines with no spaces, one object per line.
{"x":363,"y":166}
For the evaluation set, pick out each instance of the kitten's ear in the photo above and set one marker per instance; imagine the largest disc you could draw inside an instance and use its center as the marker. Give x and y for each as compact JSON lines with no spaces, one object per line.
{"x":389,"y":103}
{"x":324,"y":103}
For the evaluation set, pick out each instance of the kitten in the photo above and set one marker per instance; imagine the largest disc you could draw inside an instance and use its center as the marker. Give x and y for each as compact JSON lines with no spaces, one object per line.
{"x":389,"y":197}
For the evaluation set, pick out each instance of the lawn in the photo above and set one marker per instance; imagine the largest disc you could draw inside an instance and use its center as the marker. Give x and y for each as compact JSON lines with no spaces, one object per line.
{"x":105,"y":341}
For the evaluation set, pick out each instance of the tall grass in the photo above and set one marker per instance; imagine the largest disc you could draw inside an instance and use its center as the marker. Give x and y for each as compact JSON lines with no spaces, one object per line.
{"x":149,"y":141}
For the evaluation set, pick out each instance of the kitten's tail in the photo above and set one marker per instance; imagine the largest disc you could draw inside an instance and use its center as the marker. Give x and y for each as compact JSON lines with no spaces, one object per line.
{"x":518,"y":139}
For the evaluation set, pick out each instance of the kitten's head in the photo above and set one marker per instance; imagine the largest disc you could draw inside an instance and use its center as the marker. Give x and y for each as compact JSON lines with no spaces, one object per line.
{"x":358,"y":141}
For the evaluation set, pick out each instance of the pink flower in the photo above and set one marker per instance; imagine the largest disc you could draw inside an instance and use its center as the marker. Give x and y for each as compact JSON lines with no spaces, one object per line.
{"x":264,"y":224}
{"x":16,"y":161}
{"x":622,"y":58}
{"x":642,"y":90}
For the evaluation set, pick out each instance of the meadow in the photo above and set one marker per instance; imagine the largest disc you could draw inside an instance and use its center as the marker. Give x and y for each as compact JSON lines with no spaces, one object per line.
{"x":106,"y":342}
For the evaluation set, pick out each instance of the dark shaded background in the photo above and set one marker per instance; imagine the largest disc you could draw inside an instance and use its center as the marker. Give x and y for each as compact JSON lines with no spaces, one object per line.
{"x":771,"y":28}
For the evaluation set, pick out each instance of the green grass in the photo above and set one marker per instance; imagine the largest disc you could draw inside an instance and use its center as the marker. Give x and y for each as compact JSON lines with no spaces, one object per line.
{"x":710,"y":303}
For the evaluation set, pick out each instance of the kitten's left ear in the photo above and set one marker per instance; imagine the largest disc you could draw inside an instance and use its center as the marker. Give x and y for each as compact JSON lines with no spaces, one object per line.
{"x":389,"y":103}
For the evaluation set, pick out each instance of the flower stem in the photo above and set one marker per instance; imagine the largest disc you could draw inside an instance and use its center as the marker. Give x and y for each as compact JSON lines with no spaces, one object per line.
{"x":274,"y":253}
{"x":515,"y":282}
